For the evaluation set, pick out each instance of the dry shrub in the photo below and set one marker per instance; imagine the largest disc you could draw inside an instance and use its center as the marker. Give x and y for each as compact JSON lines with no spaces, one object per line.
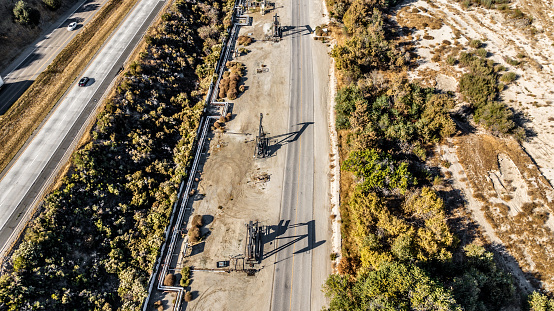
{"x":169,"y":280}
{"x":428,"y":37}
{"x":416,"y":20}
{"x":197,"y":221}
{"x":159,"y":306}
{"x":507,"y":197}
{"x":540,"y":218}
{"x":502,"y":208}
{"x":490,"y":219}
{"x":194,"y":235}
{"x":232,"y":94}
{"x":223,"y":87}
{"x":348,"y":266}
{"x":188,"y":296}
{"x":228,"y":117}
{"x":245,"y":40}
{"x":217,"y":125}
{"x":528,"y":207}
{"x":479,"y":197}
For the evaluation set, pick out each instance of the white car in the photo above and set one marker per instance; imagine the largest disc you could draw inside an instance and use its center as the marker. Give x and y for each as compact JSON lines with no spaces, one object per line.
{"x":71,"y":26}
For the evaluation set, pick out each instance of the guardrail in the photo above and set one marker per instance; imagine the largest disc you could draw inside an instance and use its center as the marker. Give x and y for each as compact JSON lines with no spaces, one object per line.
{"x":203,"y":126}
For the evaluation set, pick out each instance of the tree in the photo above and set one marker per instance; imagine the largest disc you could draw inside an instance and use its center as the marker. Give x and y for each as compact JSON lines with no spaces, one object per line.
{"x":378,"y":171}
{"x":22,"y":12}
{"x":540,"y":302}
{"x":482,"y":285}
{"x":346,"y":100}
{"x":393,"y":286}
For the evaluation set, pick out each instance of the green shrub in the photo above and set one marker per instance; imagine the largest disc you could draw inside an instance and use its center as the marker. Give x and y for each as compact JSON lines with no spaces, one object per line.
{"x":508,"y":77}
{"x":499,"y":67}
{"x":496,"y":117}
{"x":540,"y":302}
{"x":481,"y":53}
{"x":466,"y":59}
{"x":475,"y":43}
{"x":477,"y":89}
{"x":345,"y":100}
{"x":451,"y":60}
{"x":511,"y":61}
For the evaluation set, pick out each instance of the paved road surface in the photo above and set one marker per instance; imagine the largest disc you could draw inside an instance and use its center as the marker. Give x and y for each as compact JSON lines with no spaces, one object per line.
{"x":30,"y":173}
{"x":294,"y":285}
{"x":24,"y":70}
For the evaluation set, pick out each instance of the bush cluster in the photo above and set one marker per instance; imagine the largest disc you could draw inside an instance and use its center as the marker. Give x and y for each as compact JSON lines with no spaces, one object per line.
{"x":229,"y":84}
{"x":480,"y":88}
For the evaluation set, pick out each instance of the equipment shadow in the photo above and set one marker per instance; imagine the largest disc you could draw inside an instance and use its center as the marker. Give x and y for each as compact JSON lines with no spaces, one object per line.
{"x":276,"y":142}
{"x":276,"y":232}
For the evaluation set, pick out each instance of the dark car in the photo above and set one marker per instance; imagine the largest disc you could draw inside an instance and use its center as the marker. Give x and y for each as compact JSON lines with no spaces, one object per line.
{"x":83,"y":81}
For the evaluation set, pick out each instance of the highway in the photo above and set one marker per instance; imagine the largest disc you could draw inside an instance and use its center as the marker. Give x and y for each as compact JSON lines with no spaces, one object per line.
{"x":302,"y":260}
{"x":34,"y":60}
{"x":25,"y":181}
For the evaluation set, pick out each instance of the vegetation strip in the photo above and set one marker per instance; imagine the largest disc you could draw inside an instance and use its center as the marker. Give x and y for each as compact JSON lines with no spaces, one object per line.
{"x":96,"y":240}
{"x":402,"y":247}
{"x":27,"y":113}
{"x":206,"y":121}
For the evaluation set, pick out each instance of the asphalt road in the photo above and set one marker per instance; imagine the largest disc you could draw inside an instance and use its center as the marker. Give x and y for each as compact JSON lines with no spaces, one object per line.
{"x":301,"y":211}
{"x":27,"y":178}
{"x":34,"y":60}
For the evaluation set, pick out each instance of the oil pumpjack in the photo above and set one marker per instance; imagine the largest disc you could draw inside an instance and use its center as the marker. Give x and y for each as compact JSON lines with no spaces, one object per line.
{"x":262,"y":142}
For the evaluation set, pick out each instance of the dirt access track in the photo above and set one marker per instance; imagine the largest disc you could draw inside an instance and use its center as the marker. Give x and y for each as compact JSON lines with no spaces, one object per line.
{"x":234,"y":187}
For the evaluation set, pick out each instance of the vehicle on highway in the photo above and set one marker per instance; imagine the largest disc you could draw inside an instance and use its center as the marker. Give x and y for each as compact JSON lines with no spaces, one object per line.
{"x":72,"y":26}
{"x":1,"y":82}
{"x":83,"y":81}
{"x":223,"y":264}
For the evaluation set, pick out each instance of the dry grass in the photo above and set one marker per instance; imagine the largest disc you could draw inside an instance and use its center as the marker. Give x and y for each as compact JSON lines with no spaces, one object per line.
{"x":19,"y":122}
{"x":408,"y":18}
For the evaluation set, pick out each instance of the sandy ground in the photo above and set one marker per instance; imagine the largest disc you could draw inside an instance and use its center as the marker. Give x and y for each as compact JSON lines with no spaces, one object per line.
{"x":235,"y":188}
{"x":503,"y":186}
